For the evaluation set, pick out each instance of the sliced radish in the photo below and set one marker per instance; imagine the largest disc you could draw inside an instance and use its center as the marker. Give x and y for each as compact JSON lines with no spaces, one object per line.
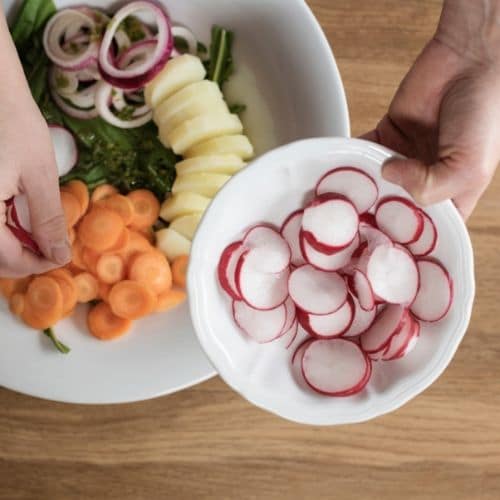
{"x":368,"y":218}
{"x":404,"y":341}
{"x":326,"y":262}
{"x":362,"y":319}
{"x":260,"y":290}
{"x":372,"y":236}
{"x":361,"y":288}
{"x":400,"y":219}
{"x":261,"y":326}
{"x":317,"y":292}
{"x":393,"y":275}
{"x":428,"y":239}
{"x":288,"y":338}
{"x":387,"y":323}
{"x":352,"y":183}
{"x":336,"y":367}
{"x":296,"y":363}
{"x":269,"y":252}
{"x":291,"y":315}
{"x":435,"y":296}
{"x":330,"y":223}
{"x":226,"y":270}
{"x":329,"y":326}
{"x":291,"y":232}
{"x":65,"y":149}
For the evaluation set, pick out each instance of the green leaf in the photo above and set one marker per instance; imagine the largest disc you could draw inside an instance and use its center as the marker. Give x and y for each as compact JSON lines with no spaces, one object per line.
{"x":237,"y":109}
{"x":31,"y":17}
{"x":64,"y":349}
{"x":220,"y":67}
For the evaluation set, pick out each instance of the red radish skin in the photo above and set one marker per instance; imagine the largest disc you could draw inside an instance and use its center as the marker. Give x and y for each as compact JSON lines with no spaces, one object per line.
{"x":435,"y":296}
{"x":291,"y":232}
{"x":336,"y":368}
{"x":261,"y":326}
{"x":260,"y":290}
{"x":226,"y":269}
{"x":317,"y":292}
{"x":407,"y":347}
{"x":362,"y":320}
{"x":427,"y":242}
{"x":400,"y":219}
{"x":290,"y":336}
{"x":400,"y":339}
{"x":368,"y":218}
{"x":329,"y":326}
{"x":296,"y":364}
{"x":372,"y":236}
{"x":291,"y":315}
{"x":330,"y":223}
{"x":361,"y":288}
{"x":352,"y":183}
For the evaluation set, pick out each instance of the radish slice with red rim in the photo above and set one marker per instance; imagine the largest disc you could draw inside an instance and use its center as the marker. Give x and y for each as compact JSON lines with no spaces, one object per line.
{"x":317,"y":292}
{"x":336,"y":367}
{"x":400,"y":219}
{"x":362,"y":319}
{"x":290,"y":230}
{"x":226,"y":270}
{"x":261,"y":326}
{"x":404,"y":341}
{"x":361,"y":288}
{"x":330,"y":223}
{"x":291,"y":314}
{"x":260,"y":290}
{"x":329,"y":326}
{"x":296,"y":363}
{"x":435,"y":295}
{"x":268,"y":250}
{"x":326,"y":262}
{"x":65,"y":149}
{"x":393,"y":275}
{"x":353,"y":183}
{"x":372,"y":236}
{"x":428,"y":239}
{"x":387,"y":323}
{"x":367,"y":218}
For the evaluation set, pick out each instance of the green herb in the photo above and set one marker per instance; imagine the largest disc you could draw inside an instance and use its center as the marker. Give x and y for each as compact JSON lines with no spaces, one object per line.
{"x":61,"y":81}
{"x":237,"y":109}
{"x":181,"y":44}
{"x":220,"y":66}
{"x":58,"y":344}
{"x":126,"y":113}
{"x":133,"y":27}
{"x":201,"y":48}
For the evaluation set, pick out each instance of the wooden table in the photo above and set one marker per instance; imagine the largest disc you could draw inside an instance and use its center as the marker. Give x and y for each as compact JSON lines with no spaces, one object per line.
{"x":208,"y":443}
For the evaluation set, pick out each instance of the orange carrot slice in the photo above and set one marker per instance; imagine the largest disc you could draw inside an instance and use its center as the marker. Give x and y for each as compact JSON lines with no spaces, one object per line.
{"x":121,"y":244}
{"x":102,"y":191}
{"x":131,"y":300}
{"x":170,"y":299}
{"x":100,"y":229}
{"x":43,"y":306}
{"x":179,"y":270}
{"x":149,"y":234}
{"x":152,"y":270}
{"x":87,"y":287}
{"x":71,"y":207}
{"x":68,"y":288}
{"x":90,"y":258}
{"x":10,"y":286}
{"x":104,"y":290}
{"x":120,"y":204}
{"x":80,"y":191}
{"x":110,"y":269}
{"x":16,"y":303}
{"x":104,"y":324}
{"x":137,"y":244}
{"x":146,"y":208}
{"x":77,"y":255}
{"x":71,"y":235}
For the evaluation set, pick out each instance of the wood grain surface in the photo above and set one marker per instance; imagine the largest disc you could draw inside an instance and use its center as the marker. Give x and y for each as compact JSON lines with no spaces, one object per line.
{"x":208,"y":443}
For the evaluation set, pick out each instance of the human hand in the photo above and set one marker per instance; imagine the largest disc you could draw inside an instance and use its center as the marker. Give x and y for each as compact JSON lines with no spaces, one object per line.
{"x":27,"y":165}
{"x":444,"y":116}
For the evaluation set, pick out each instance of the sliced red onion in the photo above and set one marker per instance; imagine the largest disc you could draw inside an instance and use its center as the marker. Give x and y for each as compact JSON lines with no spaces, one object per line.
{"x":136,"y":54}
{"x":140,"y":74}
{"x":62,"y":81}
{"x":119,"y":103}
{"x":85,"y":98}
{"x":185,"y":34}
{"x":81,"y":114}
{"x":103,"y":99}
{"x":69,"y":22}
{"x":122,"y":41}
{"x":88,"y":74}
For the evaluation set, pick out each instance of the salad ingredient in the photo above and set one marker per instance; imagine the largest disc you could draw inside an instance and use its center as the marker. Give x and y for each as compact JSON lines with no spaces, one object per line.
{"x":104,"y":324}
{"x":146,"y":208}
{"x":110,"y":269}
{"x":362,"y":319}
{"x":179,"y":270}
{"x":216,"y":164}
{"x":131,"y":300}
{"x":65,"y":148}
{"x":62,"y":348}
{"x":238,"y":145}
{"x":428,"y":239}
{"x":103,"y":191}
{"x":362,"y":289}
{"x":43,"y":303}
{"x":152,"y":270}
{"x":87,"y":287}
{"x":71,"y":208}
{"x":16,"y":304}
{"x":79,"y":190}
{"x":183,"y":203}
{"x":220,"y":67}
{"x":187,"y":225}
{"x":203,"y":184}
{"x":182,"y":33}
{"x":122,"y":205}
{"x":169,"y":300}
{"x":68,"y":289}
{"x":290,"y":231}
{"x":435,"y":295}
{"x":172,"y":244}
{"x":100,"y":229}
{"x":226,"y":269}
{"x":403,"y":342}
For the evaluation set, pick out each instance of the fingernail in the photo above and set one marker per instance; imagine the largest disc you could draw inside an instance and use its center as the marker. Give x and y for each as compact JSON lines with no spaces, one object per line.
{"x":61,"y":253}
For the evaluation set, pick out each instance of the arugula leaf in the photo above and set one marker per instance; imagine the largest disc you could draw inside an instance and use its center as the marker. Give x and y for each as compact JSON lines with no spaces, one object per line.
{"x":237,"y":109}
{"x":220,"y":66}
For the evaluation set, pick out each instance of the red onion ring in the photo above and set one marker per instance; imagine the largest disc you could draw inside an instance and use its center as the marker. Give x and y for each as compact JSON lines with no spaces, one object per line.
{"x":187,"y":35}
{"x":140,"y":50}
{"x":81,"y":114}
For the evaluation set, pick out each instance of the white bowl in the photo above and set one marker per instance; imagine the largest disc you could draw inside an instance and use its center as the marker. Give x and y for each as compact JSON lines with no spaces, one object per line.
{"x":268,"y":190}
{"x":287,"y":76}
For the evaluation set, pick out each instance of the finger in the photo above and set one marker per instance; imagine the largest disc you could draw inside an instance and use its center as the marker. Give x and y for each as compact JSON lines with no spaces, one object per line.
{"x":371,"y":136}
{"x":466,"y":204}
{"x":47,"y":217}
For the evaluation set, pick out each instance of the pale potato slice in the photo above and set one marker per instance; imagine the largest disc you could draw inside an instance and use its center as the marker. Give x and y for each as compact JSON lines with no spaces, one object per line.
{"x":216,"y":164}
{"x":201,"y":183}
{"x":238,"y":145}
{"x":172,"y":244}
{"x":184,"y":203}
{"x":177,"y":73}
{"x":188,"y":97}
{"x":200,"y":129}
{"x":187,"y":225}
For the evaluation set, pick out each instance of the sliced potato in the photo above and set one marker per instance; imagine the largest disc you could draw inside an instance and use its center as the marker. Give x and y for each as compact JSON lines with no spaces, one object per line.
{"x":172,"y":244}
{"x":200,"y":129}
{"x":188,"y":97}
{"x":216,"y":164}
{"x":238,"y":145}
{"x":176,"y":74}
{"x":187,"y":225}
{"x":184,"y":203}
{"x":201,"y":183}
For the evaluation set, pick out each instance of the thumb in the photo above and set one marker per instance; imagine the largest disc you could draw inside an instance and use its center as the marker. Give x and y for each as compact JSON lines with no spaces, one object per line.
{"x":48,"y":222}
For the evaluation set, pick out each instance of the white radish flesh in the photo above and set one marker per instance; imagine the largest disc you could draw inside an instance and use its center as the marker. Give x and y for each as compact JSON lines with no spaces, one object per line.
{"x":226,"y":270}
{"x":404,"y":341}
{"x":290,"y":230}
{"x":335,"y":367}
{"x":291,"y":315}
{"x":296,"y":363}
{"x":65,"y":149}
{"x":428,"y":239}
{"x":373,"y":236}
{"x":400,"y":219}
{"x":362,"y":320}
{"x":352,"y":183}
{"x":361,"y":287}
{"x":317,"y":292}
{"x":393,"y":275}
{"x":435,"y":295}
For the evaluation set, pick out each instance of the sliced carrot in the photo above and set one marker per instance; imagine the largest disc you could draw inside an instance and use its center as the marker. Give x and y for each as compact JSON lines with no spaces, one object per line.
{"x":100,"y":229}
{"x":146,"y":208}
{"x":77,"y":255}
{"x":87,"y":287}
{"x":16,"y":303}
{"x":73,"y":269}
{"x":152,"y":270}
{"x":179,"y":270}
{"x":170,"y":299}
{"x":149,"y":234}
{"x":10,"y":286}
{"x":110,"y":269}
{"x":131,"y":300}
{"x":120,"y":204}
{"x":68,"y":288}
{"x":71,"y":235}
{"x":104,"y":290}
{"x":104,"y":324}
{"x":80,"y":191}
{"x":137,"y":244}
{"x":43,"y":306}
{"x":71,"y":207}
{"x":121,"y":244}
{"x":90,"y":258}
{"x":102,"y":191}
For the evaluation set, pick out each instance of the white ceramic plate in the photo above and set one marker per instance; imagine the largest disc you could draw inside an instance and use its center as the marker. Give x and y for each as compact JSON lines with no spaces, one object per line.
{"x":268,"y":190}
{"x":289,"y":79}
